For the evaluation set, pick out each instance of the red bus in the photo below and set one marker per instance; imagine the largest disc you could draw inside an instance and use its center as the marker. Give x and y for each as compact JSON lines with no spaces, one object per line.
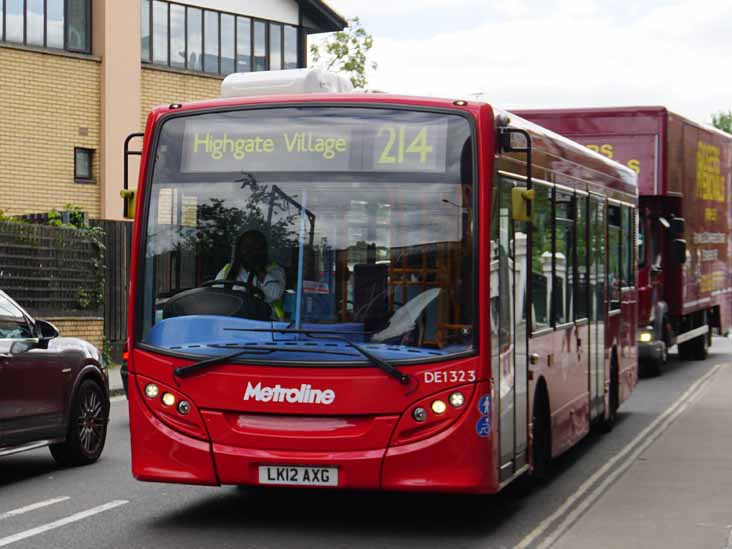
{"x":372,"y":291}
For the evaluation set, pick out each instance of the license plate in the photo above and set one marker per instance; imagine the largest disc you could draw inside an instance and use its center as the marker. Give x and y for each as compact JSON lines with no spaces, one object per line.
{"x":292,"y":475}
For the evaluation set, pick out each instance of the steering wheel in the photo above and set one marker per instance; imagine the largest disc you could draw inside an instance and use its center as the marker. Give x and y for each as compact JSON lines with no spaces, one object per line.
{"x":219,"y":282}
{"x":253,"y":291}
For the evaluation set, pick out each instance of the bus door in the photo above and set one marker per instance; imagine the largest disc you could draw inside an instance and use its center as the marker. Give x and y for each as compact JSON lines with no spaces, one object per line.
{"x":597,"y":306}
{"x":508,"y":274}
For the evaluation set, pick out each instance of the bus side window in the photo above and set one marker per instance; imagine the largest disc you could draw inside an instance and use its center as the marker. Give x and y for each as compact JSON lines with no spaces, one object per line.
{"x":541,"y":257}
{"x":629,"y":238}
{"x":582,"y":282}
{"x":643,"y":245}
{"x":614,"y":275}
{"x":564,"y":246}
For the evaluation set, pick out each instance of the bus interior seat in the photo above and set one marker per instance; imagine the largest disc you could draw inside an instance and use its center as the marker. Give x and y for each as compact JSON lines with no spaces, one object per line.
{"x":370,"y":304}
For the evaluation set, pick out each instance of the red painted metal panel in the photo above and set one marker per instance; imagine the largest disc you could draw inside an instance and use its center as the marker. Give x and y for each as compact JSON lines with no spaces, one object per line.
{"x":161,"y":454}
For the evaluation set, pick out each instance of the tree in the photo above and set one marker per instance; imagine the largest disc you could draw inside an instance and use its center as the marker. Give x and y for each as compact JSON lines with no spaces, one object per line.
{"x":346,"y":52}
{"x":220,"y":224}
{"x":723,"y":121}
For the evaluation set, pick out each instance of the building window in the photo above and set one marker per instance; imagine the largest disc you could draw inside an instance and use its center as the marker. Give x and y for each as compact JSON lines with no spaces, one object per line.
{"x":228,"y":44}
{"x":14,"y":21}
{"x":78,"y":28}
{"x":211,"y":42}
{"x":243,"y":44}
{"x":260,"y":46}
{"x":145,"y":29}
{"x":83,"y":164}
{"x":290,"y":47}
{"x":34,"y":22}
{"x":275,"y":47}
{"x":160,"y":32}
{"x":195,"y":39}
{"x":177,"y":36}
{"x":55,"y":24}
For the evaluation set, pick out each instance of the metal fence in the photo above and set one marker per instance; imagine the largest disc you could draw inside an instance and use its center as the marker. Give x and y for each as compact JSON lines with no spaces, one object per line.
{"x":51,"y":270}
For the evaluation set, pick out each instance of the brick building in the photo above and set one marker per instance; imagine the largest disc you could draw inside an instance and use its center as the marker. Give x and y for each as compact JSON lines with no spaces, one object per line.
{"x":78,"y":76}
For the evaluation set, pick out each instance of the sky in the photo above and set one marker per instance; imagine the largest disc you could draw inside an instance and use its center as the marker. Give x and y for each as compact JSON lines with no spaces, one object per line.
{"x":554,"y":53}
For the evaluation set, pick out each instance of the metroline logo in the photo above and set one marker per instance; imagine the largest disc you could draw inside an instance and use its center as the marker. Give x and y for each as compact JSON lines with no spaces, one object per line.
{"x":304,"y":394}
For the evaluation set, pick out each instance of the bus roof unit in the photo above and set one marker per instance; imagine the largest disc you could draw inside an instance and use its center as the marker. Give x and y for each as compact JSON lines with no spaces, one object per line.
{"x":287,"y":82}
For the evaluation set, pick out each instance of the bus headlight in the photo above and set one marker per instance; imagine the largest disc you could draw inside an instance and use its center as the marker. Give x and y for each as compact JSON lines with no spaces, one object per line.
{"x":439,"y":407}
{"x":457,"y":399}
{"x":434,"y":413}
{"x":172,"y":407}
{"x":646,"y":337}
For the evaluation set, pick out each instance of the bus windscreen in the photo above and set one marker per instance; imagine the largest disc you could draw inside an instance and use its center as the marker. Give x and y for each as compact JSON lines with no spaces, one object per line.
{"x":356,"y":222}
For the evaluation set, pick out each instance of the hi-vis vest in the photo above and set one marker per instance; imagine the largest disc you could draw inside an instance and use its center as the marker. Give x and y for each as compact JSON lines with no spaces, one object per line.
{"x":276,"y":305}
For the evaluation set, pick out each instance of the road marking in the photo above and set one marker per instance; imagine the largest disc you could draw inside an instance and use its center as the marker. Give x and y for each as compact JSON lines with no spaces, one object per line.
{"x":32,"y":507}
{"x":62,"y":522}
{"x":564,"y":509}
{"x":117,"y":399}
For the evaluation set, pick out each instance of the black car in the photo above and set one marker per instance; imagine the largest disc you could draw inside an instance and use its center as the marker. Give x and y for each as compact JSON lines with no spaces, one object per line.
{"x":54,"y":391}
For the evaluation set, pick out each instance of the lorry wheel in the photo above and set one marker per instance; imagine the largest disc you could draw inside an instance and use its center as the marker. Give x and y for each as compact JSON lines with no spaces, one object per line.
{"x":685,"y":350}
{"x":652,"y":367}
{"x":700,"y":347}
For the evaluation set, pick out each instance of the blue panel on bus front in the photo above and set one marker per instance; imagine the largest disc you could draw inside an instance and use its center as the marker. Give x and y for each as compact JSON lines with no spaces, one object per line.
{"x":215,"y":335}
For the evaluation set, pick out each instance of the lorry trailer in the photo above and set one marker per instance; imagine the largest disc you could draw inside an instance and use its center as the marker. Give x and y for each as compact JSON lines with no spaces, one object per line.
{"x":684,"y":170}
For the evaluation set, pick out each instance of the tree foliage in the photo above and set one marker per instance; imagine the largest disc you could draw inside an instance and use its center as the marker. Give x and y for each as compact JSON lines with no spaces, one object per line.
{"x":723,"y":121}
{"x":220,"y":224}
{"x":346,"y":52}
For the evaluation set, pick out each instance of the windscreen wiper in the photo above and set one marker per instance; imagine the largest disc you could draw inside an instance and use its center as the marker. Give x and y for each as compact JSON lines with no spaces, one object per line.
{"x":325,"y":334}
{"x":185,"y":371}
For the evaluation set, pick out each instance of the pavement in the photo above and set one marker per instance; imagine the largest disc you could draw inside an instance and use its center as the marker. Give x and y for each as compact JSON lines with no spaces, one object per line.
{"x":115,"y":381}
{"x":678,"y":491}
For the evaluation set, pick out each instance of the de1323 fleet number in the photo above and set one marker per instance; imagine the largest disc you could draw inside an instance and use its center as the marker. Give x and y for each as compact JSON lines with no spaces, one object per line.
{"x":450,"y":376}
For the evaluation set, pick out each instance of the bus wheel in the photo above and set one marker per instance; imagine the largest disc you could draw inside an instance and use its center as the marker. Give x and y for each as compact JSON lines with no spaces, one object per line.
{"x":613,"y":398}
{"x":541,"y":436}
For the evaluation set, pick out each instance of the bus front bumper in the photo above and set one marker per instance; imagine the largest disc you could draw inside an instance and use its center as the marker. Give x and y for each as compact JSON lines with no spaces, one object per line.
{"x":457,"y":459}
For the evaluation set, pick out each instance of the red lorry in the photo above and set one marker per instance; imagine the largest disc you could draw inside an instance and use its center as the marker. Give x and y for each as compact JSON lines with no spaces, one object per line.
{"x":684,"y":254}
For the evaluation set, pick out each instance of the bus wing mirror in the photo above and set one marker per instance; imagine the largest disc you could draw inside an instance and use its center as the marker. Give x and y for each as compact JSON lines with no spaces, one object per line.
{"x":522,"y":202}
{"x":130,"y":201}
{"x":678,"y":251}
{"x":127,"y":194}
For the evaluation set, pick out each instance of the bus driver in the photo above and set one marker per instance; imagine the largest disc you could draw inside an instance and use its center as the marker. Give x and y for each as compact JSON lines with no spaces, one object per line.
{"x":250,"y":265}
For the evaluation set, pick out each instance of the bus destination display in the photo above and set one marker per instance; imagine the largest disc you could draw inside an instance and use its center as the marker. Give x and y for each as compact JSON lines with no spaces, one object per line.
{"x":279,"y":145}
